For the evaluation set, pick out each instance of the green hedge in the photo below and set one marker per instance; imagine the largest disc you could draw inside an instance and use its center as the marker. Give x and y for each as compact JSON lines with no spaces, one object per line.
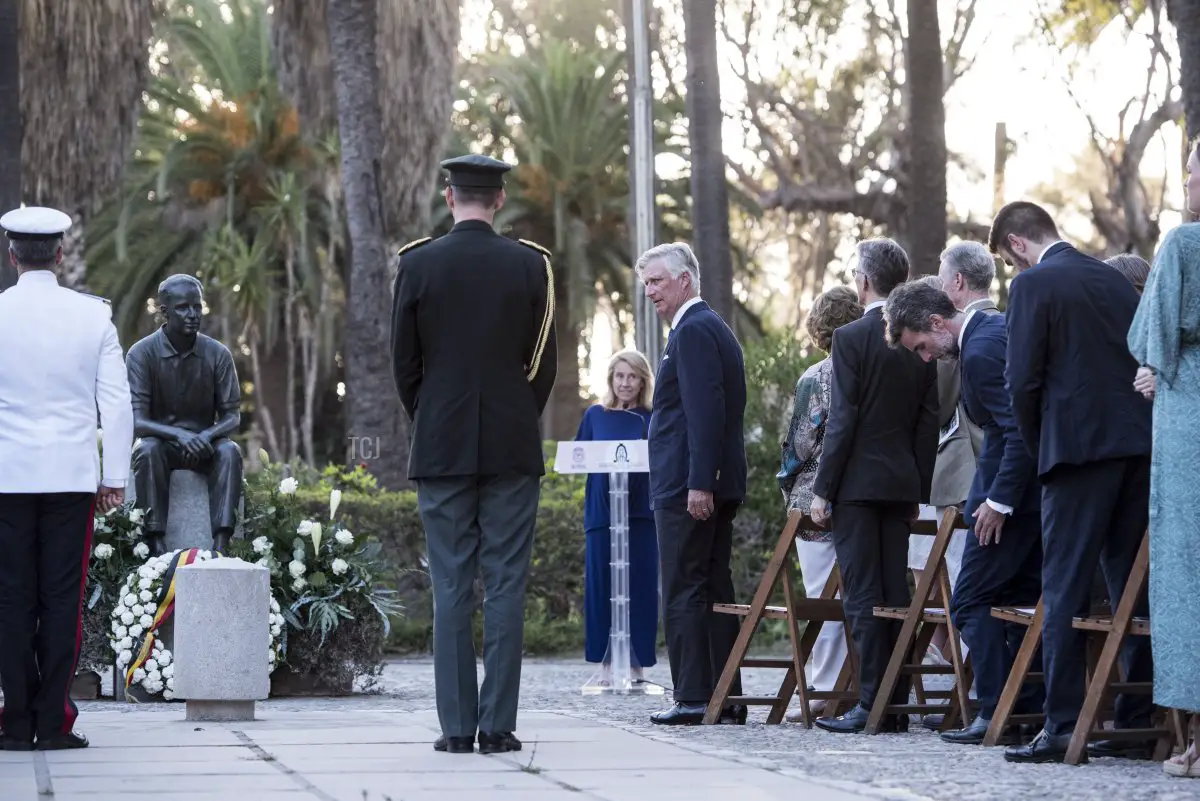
{"x":554,"y":608}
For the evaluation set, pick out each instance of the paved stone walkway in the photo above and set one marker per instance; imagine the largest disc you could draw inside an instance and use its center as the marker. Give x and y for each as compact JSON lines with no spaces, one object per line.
{"x":594,"y":748}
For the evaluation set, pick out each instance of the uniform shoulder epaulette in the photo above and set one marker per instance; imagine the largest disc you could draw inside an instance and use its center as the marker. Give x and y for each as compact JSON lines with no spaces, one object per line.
{"x":527,"y":243}
{"x":416,"y":243}
{"x":96,"y":297}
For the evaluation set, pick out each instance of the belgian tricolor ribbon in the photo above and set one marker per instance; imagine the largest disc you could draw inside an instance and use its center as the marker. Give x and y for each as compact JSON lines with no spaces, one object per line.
{"x":164,"y":607}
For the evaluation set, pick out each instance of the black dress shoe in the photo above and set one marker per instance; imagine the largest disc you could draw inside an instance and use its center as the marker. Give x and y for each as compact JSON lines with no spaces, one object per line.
{"x":1122,"y":749}
{"x":1045,"y":747}
{"x":855,"y":721}
{"x":974,"y":734}
{"x":9,"y":743}
{"x":734,"y":715}
{"x":498,"y":743}
{"x":933,"y":722}
{"x":455,"y":745}
{"x":680,"y":715}
{"x":61,"y":742}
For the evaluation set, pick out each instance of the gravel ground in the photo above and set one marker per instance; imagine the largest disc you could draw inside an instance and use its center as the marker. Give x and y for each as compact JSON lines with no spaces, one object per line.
{"x":906,"y":767}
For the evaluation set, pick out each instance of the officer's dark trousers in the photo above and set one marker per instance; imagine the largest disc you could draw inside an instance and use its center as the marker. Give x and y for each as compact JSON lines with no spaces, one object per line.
{"x":479,"y":524}
{"x":1004,"y":573}
{"x":1092,"y":513}
{"x":695,"y":557}
{"x":45,"y":541}
{"x":871,"y":544}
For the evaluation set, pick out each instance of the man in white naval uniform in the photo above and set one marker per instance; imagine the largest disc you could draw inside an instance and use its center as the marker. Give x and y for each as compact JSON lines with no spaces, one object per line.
{"x":60,"y":363}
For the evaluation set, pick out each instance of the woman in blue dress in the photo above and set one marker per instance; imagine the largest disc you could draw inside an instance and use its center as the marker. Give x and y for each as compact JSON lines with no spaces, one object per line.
{"x":624,"y":414}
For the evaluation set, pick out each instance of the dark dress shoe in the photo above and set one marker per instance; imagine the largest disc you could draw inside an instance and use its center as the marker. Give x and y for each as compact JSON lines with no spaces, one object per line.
{"x":734,"y":715}
{"x":933,"y":722}
{"x":680,"y":715}
{"x":61,"y":742}
{"x":974,"y":734}
{"x":1122,"y":749}
{"x":1045,"y":747}
{"x":498,"y":743}
{"x":455,"y":745}
{"x":855,"y":721}
{"x":9,"y":743}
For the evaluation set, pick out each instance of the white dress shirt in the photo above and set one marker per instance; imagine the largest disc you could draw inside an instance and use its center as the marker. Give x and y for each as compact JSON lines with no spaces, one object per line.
{"x":999,"y":507}
{"x":60,"y":363}
{"x":684,"y":308}
{"x":1042,"y":255}
{"x":875,"y":304}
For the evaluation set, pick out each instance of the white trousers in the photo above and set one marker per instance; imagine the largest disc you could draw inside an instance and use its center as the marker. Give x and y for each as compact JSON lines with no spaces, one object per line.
{"x":829,"y":651}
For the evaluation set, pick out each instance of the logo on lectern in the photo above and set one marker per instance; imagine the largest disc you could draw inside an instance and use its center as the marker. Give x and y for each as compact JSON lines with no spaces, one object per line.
{"x":622,"y":454}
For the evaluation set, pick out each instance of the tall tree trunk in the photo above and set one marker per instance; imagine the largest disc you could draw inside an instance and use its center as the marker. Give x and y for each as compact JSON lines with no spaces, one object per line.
{"x":375,"y":421}
{"x":926,"y":169}
{"x":1185,"y":17}
{"x":10,"y":123}
{"x":710,"y":190}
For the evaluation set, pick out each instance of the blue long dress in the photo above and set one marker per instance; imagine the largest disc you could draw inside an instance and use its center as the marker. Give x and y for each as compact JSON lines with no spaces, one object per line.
{"x":1165,"y":335}
{"x":604,"y":424}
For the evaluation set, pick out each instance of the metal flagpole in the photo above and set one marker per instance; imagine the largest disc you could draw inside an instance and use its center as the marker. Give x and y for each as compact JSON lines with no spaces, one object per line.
{"x":647,"y":325}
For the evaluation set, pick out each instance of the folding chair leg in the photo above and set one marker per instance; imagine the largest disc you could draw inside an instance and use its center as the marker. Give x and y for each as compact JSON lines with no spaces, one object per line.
{"x":1016,"y":678}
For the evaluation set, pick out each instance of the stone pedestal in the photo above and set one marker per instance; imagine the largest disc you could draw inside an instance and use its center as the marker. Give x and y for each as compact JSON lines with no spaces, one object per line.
{"x":222,"y":636}
{"x":188,"y":522}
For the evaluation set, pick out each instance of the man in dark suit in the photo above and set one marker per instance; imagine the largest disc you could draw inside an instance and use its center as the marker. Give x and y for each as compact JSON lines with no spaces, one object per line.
{"x":1071,"y":378}
{"x":876,"y":469}
{"x":697,"y":478}
{"x":474,"y":358}
{"x":1002,"y":562}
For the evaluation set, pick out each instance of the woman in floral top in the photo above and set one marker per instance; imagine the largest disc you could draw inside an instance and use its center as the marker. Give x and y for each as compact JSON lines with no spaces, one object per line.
{"x":801,"y":455}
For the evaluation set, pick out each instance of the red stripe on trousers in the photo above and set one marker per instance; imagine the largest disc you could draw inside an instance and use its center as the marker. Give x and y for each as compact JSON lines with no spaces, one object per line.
{"x":71,"y":713}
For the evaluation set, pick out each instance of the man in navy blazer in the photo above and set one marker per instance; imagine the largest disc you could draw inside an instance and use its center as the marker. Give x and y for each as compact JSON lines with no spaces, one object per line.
{"x":1070,"y":375}
{"x":1002,"y":562}
{"x":697,"y":478}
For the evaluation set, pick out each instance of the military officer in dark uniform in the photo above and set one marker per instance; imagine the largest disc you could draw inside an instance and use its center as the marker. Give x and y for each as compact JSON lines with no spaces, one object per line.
{"x":474,"y":359}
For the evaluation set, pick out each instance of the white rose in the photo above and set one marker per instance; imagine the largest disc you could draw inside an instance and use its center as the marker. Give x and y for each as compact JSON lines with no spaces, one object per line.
{"x":152,"y":665}
{"x":136,"y":631}
{"x":305,"y":528}
{"x":136,"y":515}
{"x":138,"y":610}
{"x":127,"y":618}
{"x":168,"y":693}
{"x":260,"y":544}
{"x":146,"y":583}
{"x":296,"y":568}
{"x":168,"y":671}
{"x":154,"y":676}
{"x":344,"y":537}
{"x":139,"y":674}
{"x":130,"y":599}
{"x":146,"y":621}
{"x":146,"y":596}
{"x":124,"y":657}
{"x":121,"y":632}
{"x":103,"y":551}
{"x":289,"y":486}
{"x":145,"y":570}
{"x":141,"y":550}
{"x":340,"y":566}
{"x":164,"y":662}
{"x":125,"y":644}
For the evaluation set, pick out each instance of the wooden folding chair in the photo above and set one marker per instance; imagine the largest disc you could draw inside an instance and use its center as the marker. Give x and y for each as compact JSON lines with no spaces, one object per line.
{"x":1019,"y":673}
{"x":815,"y":611}
{"x":930,"y":607}
{"x":1115,"y":628}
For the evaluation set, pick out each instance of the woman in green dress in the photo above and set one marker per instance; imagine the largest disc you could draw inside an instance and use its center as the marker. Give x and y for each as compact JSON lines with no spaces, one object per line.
{"x":1165,"y":339}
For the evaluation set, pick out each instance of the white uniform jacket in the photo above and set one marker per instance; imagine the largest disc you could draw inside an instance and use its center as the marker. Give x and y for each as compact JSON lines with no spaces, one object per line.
{"x":60,"y":363}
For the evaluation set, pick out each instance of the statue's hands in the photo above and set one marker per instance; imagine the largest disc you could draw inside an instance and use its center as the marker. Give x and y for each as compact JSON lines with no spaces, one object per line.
{"x":195,"y":447}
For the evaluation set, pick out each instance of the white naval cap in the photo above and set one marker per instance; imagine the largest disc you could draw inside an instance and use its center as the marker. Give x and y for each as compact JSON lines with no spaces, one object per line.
{"x":35,"y":222}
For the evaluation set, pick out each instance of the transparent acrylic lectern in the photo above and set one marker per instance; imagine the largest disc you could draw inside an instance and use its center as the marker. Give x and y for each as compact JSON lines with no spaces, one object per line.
{"x":617,"y":458}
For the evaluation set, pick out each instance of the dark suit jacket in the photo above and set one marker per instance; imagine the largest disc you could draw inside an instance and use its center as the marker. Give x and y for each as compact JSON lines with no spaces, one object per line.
{"x":696,"y":430}
{"x":1005,"y":472}
{"x":466,"y":315}
{"x":1069,"y":370}
{"x":881,"y":438}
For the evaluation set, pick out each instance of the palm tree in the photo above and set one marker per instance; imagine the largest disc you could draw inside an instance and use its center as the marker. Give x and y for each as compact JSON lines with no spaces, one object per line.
{"x":83,"y":66}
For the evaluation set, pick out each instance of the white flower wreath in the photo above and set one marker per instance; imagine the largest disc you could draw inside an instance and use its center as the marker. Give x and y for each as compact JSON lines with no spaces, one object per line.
{"x":134,"y":615}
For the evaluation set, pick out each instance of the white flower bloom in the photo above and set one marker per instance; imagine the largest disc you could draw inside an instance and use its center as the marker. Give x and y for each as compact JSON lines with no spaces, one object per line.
{"x":261,"y":544}
{"x":125,"y":644}
{"x":289,"y":486}
{"x":152,"y":665}
{"x":154,"y":676}
{"x":135,"y":631}
{"x":145,"y":570}
{"x":146,"y":583}
{"x":169,"y":671}
{"x":130,"y":599}
{"x":335,"y":498}
{"x":127,"y":618}
{"x":138,"y":610}
{"x":299,"y":584}
{"x":168,"y":693}
{"x":299,"y":554}
{"x":340,"y":566}
{"x":297,"y":568}
{"x":146,"y":596}
{"x":139,"y":674}
{"x":146,"y":621}
{"x":101,"y":525}
{"x":141,"y":550}
{"x":121,"y":632}
{"x":305,"y":528}
{"x":103,"y":551}
{"x":136,"y":515}
{"x":164,"y":662}
{"x":344,"y":537}
{"x":124,"y":657}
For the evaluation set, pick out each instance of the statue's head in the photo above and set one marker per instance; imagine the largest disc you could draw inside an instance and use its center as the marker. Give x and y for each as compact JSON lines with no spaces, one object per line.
{"x":181,"y":305}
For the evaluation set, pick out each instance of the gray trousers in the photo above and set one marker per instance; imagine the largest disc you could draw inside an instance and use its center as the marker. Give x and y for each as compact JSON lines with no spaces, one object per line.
{"x":482,"y":523}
